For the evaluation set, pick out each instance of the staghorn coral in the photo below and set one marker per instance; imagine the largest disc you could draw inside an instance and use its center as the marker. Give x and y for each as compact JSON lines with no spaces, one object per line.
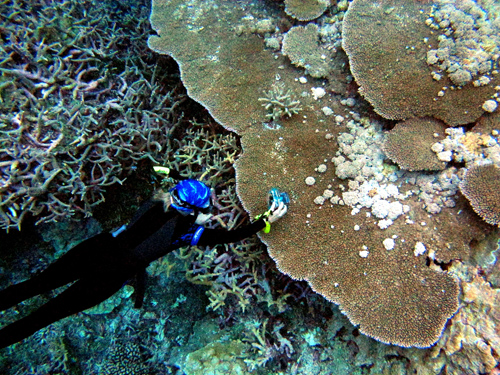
{"x":388,"y":59}
{"x":77,"y":111}
{"x":306,"y":10}
{"x":409,"y":144}
{"x":391,"y":294}
{"x":300,"y":44}
{"x":480,"y":187}
{"x":231,"y":271}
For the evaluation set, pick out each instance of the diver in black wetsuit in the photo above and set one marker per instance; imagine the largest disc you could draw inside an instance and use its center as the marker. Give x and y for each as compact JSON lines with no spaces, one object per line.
{"x":102,"y":264}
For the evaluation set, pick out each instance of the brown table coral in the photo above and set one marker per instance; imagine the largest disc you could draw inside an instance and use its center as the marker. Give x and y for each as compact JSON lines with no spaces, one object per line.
{"x":391,"y":294}
{"x":387,"y":44}
{"x":480,"y":186}
{"x":409,"y":144}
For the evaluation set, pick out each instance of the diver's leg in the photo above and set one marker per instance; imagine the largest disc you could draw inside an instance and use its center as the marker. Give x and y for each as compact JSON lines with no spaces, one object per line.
{"x":80,"y":296}
{"x":69,"y":267}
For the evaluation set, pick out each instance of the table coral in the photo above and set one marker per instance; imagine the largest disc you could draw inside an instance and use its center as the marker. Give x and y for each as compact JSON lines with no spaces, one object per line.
{"x":301,"y":46}
{"x":387,"y":44}
{"x":409,"y":144}
{"x":480,"y":186}
{"x":391,"y":294}
{"x":306,"y":10}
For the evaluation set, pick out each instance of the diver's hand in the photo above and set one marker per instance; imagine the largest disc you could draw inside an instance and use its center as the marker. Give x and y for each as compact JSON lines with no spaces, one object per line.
{"x":202,"y":219}
{"x":277,"y":212}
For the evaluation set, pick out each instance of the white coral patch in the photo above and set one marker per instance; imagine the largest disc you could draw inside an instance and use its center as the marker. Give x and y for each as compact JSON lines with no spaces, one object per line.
{"x":389,"y":243}
{"x":419,"y":249}
{"x":318,"y":92}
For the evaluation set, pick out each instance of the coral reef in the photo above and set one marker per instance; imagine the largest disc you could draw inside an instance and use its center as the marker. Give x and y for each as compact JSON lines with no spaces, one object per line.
{"x":480,"y":186}
{"x":237,"y":312}
{"x":342,"y":256}
{"x":125,"y":358}
{"x":77,"y":112}
{"x":409,"y":144}
{"x":472,"y":148}
{"x":382,"y":45}
{"x":217,"y":358}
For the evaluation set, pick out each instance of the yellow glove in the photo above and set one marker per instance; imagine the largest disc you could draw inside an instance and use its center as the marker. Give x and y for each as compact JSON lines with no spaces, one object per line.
{"x":162,"y":170}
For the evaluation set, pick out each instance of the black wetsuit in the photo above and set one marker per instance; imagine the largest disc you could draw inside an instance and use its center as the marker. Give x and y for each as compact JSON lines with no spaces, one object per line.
{"x":102,"y":264}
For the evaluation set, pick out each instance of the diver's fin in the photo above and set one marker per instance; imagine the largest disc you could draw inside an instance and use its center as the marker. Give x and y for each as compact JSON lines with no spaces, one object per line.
{"x":69,"y":267}
{"x":80,"y":296}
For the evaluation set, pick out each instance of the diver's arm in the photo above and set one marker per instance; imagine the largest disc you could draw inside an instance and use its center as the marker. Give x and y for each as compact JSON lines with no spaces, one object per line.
{"x":211,"y":237}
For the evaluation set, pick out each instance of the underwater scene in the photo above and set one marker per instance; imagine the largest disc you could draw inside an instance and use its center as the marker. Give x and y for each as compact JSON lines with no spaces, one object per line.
{"x":296,"y":187}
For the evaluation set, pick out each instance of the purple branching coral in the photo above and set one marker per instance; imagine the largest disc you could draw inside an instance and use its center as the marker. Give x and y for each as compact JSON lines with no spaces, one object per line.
{"x":82,"y":101}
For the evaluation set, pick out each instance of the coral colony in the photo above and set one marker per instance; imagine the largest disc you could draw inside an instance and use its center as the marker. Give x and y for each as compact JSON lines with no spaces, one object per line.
{"x":387,"y":260}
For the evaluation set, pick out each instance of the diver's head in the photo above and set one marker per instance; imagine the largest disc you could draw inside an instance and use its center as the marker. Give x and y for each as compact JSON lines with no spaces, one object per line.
{"x":190,"y":196}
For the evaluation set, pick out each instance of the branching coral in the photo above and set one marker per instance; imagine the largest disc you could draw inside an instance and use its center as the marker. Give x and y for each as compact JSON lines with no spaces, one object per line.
{"x":77,"y":109}
{"x":279,"y":102}
{"x":207,"y":153}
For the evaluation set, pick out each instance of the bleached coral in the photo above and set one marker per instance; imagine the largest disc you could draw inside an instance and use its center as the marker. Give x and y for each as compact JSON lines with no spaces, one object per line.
{"x":469,"y":147}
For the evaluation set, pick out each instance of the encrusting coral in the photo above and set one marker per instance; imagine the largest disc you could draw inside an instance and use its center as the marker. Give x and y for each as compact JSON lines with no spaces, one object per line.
{"x":391,"y":294}
{"x":469,"y":40}
{"x":388,"y":59}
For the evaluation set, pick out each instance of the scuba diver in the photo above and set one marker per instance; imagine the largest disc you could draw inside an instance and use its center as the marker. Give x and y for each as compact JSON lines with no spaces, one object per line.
{"x":101,"y":265}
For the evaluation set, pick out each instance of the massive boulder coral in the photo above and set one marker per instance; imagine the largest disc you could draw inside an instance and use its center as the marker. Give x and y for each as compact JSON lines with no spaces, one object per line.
{"x":387,"y":43}
{"x":391,"y":294}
